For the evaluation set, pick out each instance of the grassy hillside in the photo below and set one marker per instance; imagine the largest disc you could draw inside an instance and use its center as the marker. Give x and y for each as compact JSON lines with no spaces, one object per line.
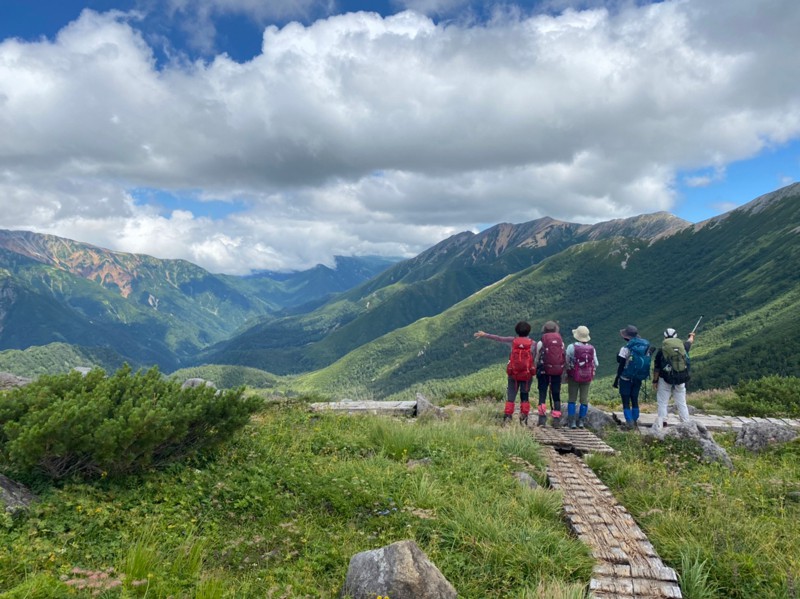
{"x":740,"y":273}
{"x":58,"y":358}
{"x":421,"y":287}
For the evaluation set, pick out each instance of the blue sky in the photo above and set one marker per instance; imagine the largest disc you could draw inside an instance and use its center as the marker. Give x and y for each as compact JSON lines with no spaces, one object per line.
{"x":246,"y":135}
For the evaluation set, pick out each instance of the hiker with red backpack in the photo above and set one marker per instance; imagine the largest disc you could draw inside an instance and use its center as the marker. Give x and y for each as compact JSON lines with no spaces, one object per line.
{"x":551,"y":359}
{"x":582,"y":364}
{"x":670,"y":374}
{"x":520,"y":370}
{"x":634,"y":367}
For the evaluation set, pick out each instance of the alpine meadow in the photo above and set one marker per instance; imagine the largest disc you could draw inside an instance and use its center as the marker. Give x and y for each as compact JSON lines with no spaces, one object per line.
{"x":236,"y":485}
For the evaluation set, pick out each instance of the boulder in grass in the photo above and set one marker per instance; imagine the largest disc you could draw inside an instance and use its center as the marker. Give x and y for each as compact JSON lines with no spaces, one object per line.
{"x":12,"y":381}
{"x":426,"y":409}
{"x":598,"y":420}
{"x":15,"y":498}
{"x":197,"y":382}
{"x":712,"y":452}
{"x":400,"y":571}
{"x":758,"y":436}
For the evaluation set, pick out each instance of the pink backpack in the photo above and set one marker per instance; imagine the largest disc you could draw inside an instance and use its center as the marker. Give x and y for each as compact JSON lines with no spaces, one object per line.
{"x":583,"y":364}
{"x":553,"y":356}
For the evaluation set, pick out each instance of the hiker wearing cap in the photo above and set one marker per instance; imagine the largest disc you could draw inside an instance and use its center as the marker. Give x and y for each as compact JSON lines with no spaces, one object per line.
{"x":551,"y":359}
{"x":634,"y":367}
{"x":520,"y":370}
{"x":670,"y":374}
{"x":581,"y":365}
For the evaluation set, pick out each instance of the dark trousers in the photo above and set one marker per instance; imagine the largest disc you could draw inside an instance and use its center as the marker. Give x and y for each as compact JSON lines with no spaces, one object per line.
{"x":629,"y":392}
{"x":553,"y":382}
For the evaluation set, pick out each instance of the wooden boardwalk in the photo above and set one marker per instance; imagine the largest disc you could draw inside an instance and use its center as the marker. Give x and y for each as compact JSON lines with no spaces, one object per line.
{"x":388,"y":408}
{"x":576,"y":440}
{"x":628,"y":566}
{"x":712,"y":423}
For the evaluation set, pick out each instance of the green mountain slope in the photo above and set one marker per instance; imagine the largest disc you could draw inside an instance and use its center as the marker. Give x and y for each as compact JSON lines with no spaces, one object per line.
{"x":420,"y":287}
{"x":739,"y":271}
{"x":57,"y":358}
{"x":148,"y":310}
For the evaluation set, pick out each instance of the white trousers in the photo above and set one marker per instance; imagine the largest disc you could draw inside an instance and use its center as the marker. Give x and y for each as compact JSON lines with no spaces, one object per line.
{"x":678,"y":392}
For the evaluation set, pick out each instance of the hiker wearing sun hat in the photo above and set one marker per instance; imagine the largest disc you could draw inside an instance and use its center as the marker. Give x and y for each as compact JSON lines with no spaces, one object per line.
{"x":581,"y":365}
{"x":670,"y":374}
{"x":633,"y":367}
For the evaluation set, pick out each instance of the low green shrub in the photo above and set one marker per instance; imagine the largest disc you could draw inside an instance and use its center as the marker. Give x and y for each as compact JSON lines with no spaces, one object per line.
{"x":766,"y":397}
{"x":95,"y":425}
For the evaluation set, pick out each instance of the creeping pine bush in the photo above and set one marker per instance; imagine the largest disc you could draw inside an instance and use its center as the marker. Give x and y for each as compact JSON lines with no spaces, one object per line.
{"x":768,"y":396}
{"x":96,"y":425}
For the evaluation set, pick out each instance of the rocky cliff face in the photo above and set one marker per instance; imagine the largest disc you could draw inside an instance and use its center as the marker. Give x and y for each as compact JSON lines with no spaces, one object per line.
{"x":110,"y":269}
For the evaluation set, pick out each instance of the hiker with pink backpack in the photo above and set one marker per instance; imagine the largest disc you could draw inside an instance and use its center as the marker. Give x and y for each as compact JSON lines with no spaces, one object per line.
{"x":551,"y":360}
{"x":520,"y":370}
{"x":581,"y":366}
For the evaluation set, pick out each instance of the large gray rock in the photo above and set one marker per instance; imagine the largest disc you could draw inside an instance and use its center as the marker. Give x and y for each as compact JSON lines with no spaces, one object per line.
{"x":760,"y":435}
{"x":673,"y":409}
{"x":426,"y":409}
{"x":598,"y":420}
{"x":14,"y":497}
{"x":711,"y":451}
{"x":526,"y":480}
{"x":400,"y":571}
{"x":10,"y":381}
{"x":197,"y":382}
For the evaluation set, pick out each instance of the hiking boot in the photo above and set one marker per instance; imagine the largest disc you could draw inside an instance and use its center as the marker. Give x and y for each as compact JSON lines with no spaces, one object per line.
{"x":572,"y":421}
{"x":542,"y":421}
{"x":581,"y":423}
{"x":506,"y":419}
{"x":523,"y":419}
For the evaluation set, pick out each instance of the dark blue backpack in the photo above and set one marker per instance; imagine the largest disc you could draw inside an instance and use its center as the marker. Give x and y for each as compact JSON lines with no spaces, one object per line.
{"x":638,"y":364}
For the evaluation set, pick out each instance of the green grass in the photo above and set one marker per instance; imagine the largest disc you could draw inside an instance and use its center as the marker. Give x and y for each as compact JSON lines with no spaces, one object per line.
{"x":281,"y":509}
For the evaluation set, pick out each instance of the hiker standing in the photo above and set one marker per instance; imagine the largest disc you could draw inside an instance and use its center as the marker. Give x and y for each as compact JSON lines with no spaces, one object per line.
{"x":520,"y":370}
{"x":670,"y":374}
{"x":634,"y":367}
{"x":550,"y":362}
{"x":581,"y":366}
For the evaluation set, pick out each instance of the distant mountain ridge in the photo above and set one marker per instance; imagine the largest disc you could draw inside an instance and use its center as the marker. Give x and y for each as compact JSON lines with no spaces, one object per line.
{"x":150,"y":311}
{"x":740,"y":271}
{"x":377,"y":328}
{"x":419,"y":287}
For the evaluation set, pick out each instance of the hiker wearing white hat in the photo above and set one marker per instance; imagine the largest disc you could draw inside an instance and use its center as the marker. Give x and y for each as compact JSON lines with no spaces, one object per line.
{"x":581,"y":366}
{"x":670,"y":374}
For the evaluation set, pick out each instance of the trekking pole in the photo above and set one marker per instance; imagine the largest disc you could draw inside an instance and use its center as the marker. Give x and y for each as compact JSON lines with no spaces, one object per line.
{"x":696,"y":324}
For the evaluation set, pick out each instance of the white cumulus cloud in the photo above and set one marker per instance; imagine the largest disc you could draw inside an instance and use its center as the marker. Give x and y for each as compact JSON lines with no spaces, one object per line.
{"x":367,"y":134}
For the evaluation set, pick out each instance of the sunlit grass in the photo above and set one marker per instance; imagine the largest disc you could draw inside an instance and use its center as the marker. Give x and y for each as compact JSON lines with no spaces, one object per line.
{"x":281,"y":509}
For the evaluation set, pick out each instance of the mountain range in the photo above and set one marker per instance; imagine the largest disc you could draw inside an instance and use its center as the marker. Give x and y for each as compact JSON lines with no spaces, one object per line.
{"x":382,"y":328}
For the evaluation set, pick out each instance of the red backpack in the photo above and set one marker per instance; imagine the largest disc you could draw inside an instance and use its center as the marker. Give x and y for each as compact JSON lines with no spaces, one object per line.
{"x":520,"y":363}
{"x":583,"y":364}
{"x":554,"y":357}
